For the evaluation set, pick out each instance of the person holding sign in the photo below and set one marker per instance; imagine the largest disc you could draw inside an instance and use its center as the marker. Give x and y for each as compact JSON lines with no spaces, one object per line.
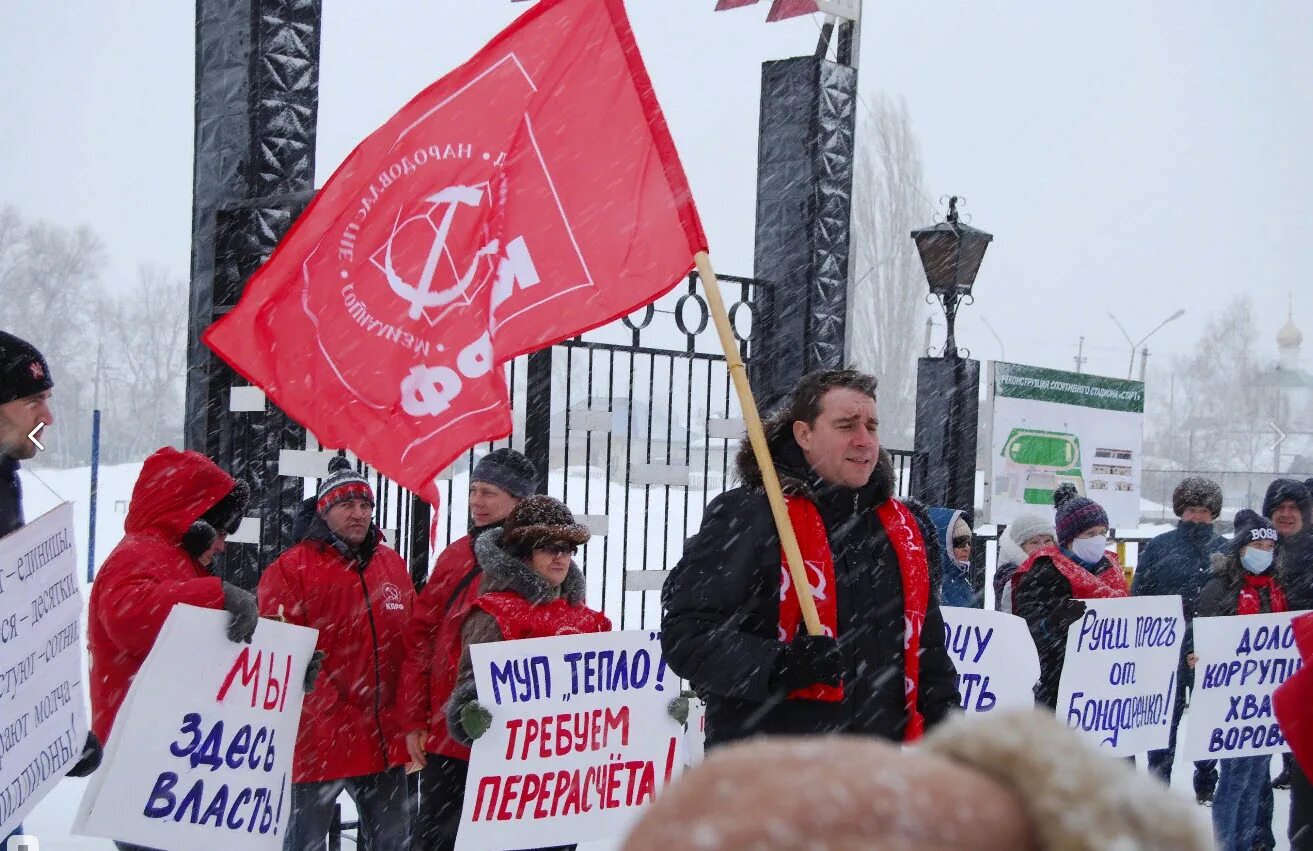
{"x":1049,"y":587}
{"x":1244,"y":583}
{"x":1024,"y":536}
{"x":25,"y":387}
{"x":500,"y":480}
{"x":733,"y":625}
{"x":531,"y":588}
{"x":1180,"y":562}
{"x":343,"y":580}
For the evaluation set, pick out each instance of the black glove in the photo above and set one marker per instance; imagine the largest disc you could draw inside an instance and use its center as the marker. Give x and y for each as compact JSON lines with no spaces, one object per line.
{"x":1067,"y":614}
{"x":312,"y":669}
{"x":809,"y":660}
{"x":90,"y":759}
{"x":244,"y":616}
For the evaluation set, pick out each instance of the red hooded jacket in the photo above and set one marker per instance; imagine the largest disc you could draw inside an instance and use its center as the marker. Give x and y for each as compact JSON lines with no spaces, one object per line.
{"x":349,"y":723}
{"x":148,"y":573}
{"x":433,"y":646}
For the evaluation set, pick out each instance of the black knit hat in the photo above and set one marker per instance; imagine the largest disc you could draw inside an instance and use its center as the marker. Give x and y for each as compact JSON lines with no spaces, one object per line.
{"x":224,"y":516}
{"x":541,"y":520}
{"x":23,"y":372}
{"x":508,"y":470}
{"x":1250,"y":527}
{"x":1196,"y":491}
{"x":1283,"y":489}
{"x":343,"y":483}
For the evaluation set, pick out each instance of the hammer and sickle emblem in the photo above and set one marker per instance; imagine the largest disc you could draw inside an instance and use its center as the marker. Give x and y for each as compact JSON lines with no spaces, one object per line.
{"x":421,"y":294}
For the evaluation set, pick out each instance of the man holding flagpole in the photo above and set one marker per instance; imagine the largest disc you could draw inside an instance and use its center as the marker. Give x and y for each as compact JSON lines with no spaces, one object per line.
{"x":733,"y":625}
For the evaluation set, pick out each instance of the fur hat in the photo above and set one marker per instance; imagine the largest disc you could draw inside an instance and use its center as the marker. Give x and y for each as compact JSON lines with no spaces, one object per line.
{"x":1027,"y":526}
{"x":1287,"y":489}
{"x":508,"y":470}
{"x":343,"y":483}
{"x":1250,"y":527}
{"x":540,"y":519}
{"x":1075,"y":514}
{"x":1196,"y":491}
{"x":224,"y":516}
{"x":23,"y":371}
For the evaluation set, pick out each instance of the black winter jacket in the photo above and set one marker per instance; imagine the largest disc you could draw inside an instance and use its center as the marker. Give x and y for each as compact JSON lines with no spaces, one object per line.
{"x":1036,"y":600}
{"x":720,"y":630}
{"x":1295,"y":568}
{"x":1179,"y":562}
{"x":11,"y":496}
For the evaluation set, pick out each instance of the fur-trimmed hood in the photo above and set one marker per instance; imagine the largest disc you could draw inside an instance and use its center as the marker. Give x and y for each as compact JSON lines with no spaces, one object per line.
{"x":504,"y":572}
{"x":796,"y":476}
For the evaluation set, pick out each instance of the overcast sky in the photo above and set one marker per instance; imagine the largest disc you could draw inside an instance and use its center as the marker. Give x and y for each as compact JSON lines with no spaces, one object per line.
{"x":1134,"y":156}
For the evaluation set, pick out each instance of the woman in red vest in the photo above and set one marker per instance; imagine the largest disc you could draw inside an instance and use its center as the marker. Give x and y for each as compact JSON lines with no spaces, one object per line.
{"x":531,"y":588}
{"x":1049,"y":587}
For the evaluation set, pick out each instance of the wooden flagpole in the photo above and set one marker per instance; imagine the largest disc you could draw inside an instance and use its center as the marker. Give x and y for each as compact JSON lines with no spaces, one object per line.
{"x":757,"y":437}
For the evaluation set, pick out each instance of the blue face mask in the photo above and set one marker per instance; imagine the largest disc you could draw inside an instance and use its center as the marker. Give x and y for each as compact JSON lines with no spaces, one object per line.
{"x":1256,"y":561}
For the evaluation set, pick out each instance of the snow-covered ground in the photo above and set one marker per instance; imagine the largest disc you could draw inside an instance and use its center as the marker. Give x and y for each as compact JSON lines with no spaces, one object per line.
{"x":628,"y":515}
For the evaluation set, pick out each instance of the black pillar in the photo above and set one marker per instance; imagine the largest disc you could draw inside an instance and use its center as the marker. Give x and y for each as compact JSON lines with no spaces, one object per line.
{"x":804,"y":214}
{"x":257,"y":101}
{"x":947,"y":419}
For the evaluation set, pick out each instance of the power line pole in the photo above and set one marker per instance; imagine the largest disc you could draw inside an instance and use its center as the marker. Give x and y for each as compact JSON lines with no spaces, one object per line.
{"x":1080,"y":355}
{"x":1144,"y":363}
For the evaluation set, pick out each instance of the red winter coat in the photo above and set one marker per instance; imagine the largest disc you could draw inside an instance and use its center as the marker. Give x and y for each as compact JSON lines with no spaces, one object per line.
{"x":350,"y":725}
{"x":428,"y":674}
{"x":148,"y":573}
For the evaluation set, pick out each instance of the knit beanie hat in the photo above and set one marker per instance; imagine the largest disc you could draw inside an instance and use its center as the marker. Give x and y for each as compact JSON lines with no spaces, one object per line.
{"x":1027,"y":526}
{"x":23,"y":372}
{"x":1197,"y":491}
{"x":1075,"y":514}
{"x":1250,"y":527}
{"x":541,"y":520}
{"x":343,"y":483}
{"x":224,"y":516}
{"x":1283,"y":489}
{"x":508,"y":470}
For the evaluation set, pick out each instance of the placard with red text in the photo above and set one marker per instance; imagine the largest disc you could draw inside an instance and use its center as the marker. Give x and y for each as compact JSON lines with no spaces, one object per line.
{"x":200,"y":756}
{"x":580,"y":741}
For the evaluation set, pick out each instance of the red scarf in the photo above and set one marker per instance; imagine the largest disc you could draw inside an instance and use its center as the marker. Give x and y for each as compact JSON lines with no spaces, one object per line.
{"x":1107,"y":583}
{"x":1250,"y":601}
{"x":814,"y":542}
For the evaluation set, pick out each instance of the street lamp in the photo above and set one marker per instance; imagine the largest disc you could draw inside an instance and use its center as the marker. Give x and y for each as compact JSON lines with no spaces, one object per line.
{"x":1131,"y":366}
{"x":951,"y":253}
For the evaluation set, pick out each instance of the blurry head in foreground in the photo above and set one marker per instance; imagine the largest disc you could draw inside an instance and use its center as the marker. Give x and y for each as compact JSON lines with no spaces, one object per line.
{"x":1011,"y":781}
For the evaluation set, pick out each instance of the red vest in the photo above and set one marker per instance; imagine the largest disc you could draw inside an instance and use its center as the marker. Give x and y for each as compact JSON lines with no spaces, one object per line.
{"x":1111,"y":582}
{"x":905,"y":537}
{"x":518,"y":618}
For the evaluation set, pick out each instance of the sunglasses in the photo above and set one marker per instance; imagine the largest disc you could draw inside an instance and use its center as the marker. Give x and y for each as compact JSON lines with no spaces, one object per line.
{"x":561,"y":549}
{"x":961,"y":541}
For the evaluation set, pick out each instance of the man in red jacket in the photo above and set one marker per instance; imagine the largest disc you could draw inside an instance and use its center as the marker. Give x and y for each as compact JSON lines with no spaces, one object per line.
{"x":343,"y":580}
{"x":500,"y":480}
{"x":183,"y":508}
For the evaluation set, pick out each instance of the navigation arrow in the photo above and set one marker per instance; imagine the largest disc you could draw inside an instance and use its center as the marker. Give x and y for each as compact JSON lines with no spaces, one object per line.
{"x":1281,"y":436}
{"x":31,"y":435}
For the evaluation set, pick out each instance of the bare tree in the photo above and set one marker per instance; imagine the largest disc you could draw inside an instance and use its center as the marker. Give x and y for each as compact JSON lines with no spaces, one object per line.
{"x":888,"y":293}
{"x":143,"y":353}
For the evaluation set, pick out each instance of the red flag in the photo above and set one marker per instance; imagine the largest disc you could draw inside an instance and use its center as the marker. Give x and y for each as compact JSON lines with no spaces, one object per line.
{"x":528,"y":196}
{"x":779,"y":9}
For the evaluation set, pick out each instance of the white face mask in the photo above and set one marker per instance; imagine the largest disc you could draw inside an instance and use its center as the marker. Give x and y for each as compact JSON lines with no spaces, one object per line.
{"x":1090,"y":550}
{"x":1255,"y":561}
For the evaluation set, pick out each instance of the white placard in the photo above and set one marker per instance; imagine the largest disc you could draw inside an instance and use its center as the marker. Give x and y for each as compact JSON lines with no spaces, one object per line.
{"x":1119,"y":678}
{"x":995,"y":657}
{"x":1241,"y":662}
{"x":43,"y":724}
{"x":201,"y":752}
{"x":580,"y":741}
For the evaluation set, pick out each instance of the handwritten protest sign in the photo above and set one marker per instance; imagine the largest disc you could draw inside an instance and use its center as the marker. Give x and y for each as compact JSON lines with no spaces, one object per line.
{"x":1119,"y":678}
{"x":43,"y":724}
{"x":995,"y":657}
{"x":200,"y":756}
{"x":1241,"y":662}
{"x":580,"y":739}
